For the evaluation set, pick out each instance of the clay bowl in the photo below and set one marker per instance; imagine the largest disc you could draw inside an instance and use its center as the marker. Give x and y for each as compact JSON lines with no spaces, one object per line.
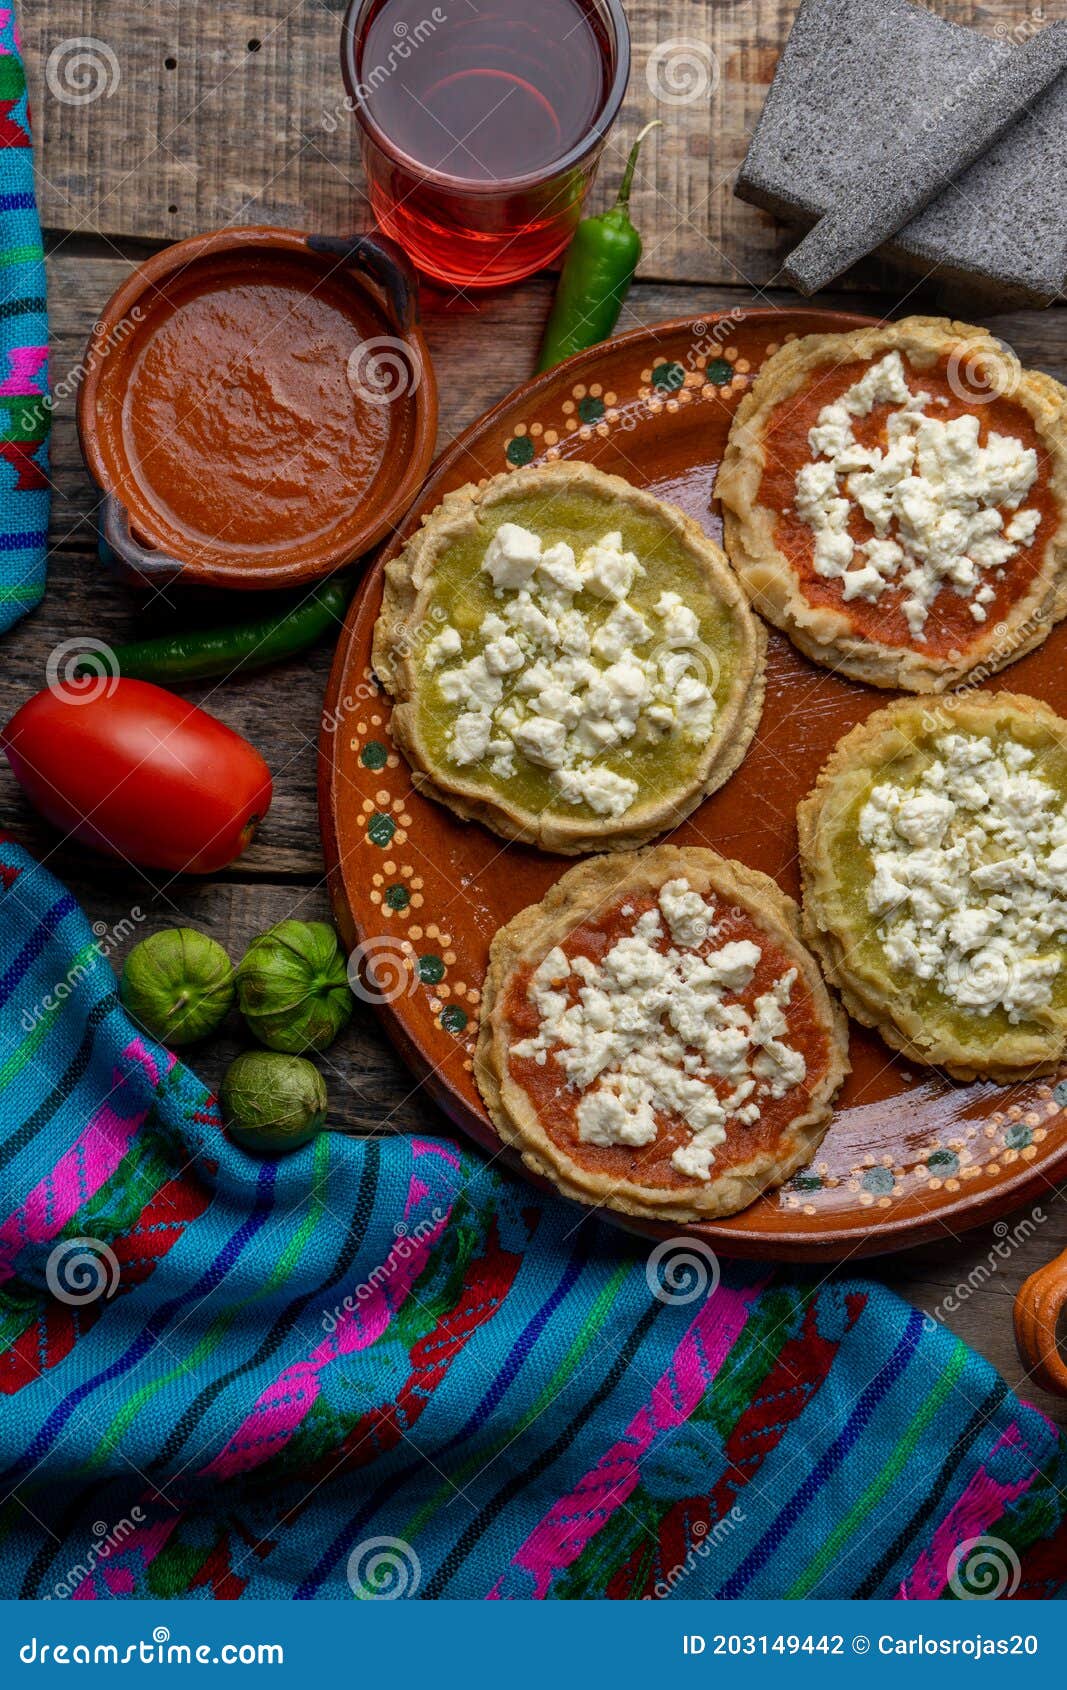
{"x":1039,"y":1306}
{"x":911,"y":1157}
{"x":280,"y":530}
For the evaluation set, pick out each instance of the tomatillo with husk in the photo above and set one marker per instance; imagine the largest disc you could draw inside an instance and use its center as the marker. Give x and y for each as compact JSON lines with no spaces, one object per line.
{"x":273,"y":1103}
{"x":178,"y":985}
{"x":292,"y":987}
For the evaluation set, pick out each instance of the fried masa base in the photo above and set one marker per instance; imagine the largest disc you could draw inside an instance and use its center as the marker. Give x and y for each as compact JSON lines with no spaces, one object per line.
{"x":894,"y":738}
{"x":768,"y":577}
{"x":409,"y":587}
{"x":529,"y":936}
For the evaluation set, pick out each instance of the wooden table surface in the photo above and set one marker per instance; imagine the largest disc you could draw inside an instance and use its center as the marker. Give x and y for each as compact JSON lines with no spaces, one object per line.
{"x":215,"y":111}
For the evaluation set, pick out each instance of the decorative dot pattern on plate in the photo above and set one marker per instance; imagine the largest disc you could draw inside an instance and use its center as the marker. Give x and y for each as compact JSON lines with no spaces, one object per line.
{"x":984,"y":1150}
{"x":592,"y":411}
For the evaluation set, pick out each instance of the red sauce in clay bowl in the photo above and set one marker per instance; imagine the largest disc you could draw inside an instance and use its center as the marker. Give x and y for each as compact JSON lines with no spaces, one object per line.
{"x":259,"y":408}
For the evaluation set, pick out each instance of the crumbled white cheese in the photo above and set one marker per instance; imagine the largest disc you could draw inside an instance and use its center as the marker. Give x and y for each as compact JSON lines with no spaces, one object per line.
{"x":470,"y":736}
{"x":512,"y":556}
{"x":680,"y":626}
{"x":444,"y":645}
{"x":503,"y":656}
{"x":656,"y":1028}
{"x":558,"y":569}
{"x":622,"y":1116}
{"x":471,"y":684}
{"x":603,"y":790}
{"x":542,"y":740}
{"x":688,"y":916}
{"x":969,"y":875}
{"x":624,"y":629}
{"x":607,"y":570}
{"x":559,"y":688}
{"x":933,"y":496}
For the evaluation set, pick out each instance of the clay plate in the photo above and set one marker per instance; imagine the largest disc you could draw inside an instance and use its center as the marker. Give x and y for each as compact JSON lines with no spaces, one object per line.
{"x":910,"y":1156}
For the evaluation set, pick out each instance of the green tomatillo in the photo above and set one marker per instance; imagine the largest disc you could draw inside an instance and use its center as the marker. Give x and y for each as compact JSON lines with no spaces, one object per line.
{"x":597,"y":271}
{"x":178,"y":985}
{"x":272,"y":1103}
{"x":292,"y":987}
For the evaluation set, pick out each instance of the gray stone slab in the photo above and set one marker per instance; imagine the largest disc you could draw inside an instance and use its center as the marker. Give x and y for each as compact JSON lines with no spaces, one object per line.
{"x":866,"y":93}
{"x":1002,"y":227}
{"x":880,"y":200}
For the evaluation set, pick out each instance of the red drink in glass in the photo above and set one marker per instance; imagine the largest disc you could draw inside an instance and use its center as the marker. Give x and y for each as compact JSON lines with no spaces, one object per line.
{"x":482,"y":122}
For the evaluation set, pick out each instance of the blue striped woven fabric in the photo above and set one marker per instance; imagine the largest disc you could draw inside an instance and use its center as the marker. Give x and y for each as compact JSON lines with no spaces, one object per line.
{"x":382,"y":1369}
{"x":25,"y":413}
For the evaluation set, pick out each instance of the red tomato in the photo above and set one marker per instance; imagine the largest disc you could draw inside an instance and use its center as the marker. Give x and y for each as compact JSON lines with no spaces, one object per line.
{"x":139,"y":773}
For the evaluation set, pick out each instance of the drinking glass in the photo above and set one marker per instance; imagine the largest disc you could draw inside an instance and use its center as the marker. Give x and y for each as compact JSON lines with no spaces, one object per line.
{"x":481,"y":124}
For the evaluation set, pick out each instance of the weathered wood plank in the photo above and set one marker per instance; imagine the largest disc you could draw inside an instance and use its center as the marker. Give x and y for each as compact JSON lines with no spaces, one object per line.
{"x":218,"y":111}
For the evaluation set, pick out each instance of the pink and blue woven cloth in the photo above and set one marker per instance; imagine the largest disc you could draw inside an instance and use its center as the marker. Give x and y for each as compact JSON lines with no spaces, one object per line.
{"x":25,"y":412}
{"x":380,"y":1368}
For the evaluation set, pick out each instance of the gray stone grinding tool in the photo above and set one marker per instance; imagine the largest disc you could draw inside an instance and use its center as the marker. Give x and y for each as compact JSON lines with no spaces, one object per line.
{"x":887,"y":127}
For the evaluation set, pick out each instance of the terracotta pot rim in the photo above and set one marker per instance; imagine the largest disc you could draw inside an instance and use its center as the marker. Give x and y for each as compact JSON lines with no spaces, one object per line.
{"x":334,"y":552}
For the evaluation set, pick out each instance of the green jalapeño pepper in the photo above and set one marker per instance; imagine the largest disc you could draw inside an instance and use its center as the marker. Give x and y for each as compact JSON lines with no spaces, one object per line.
{"x":240,"y":646}
{"x":596,"y":275}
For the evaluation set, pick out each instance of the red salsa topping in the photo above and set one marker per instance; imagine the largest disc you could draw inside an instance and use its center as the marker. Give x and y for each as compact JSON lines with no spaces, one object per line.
{"x":556,"y":1101}
{"x":950,"y":626}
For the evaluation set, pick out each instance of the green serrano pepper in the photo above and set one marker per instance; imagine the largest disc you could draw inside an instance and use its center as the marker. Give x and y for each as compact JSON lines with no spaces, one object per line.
{"x":596,"y":276}
{"x":204,"y":652}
